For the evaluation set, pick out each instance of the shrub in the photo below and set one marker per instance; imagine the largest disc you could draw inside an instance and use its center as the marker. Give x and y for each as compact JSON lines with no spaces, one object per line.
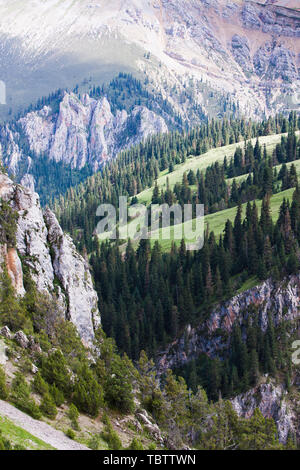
{"x":19,"y":447}
{"x":88,"y":394}
{"x":94,"y":443}
{"x":5,"y":444}
{"x":39,"y":385}
{"x":71,"y":434}
{"x":3,"y":386}
{"x":73,"y":415}
{"x":54,"y":370}
{"x":152,"y":446}
{"x":48,"y":407}
{"x":118,"y":387}
{"x":135,"y":445}
{"x":110,"y":435}
{"x":20,"y":396}
{"x":57,"y":395}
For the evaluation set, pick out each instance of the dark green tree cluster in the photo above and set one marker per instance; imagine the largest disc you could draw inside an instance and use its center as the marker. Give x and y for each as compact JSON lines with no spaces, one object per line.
{"x":138,"y":168}
{"x":8,"y":224}
{"x":147,"y":297}
{"x":213,"y":190}
{"x":189,"y":416}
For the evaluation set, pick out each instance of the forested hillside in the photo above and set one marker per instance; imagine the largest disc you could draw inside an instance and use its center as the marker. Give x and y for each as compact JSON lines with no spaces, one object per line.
{"x":149,"y":227}
{"x":49,"y":374}
{"x":148,"y":293}
{"x":65,"y":137}
{"x":139,"y":167}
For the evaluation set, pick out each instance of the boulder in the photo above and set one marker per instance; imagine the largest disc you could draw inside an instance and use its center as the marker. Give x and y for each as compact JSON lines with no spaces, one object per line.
{"x":21,"y":339}
{"x":5,"y":331}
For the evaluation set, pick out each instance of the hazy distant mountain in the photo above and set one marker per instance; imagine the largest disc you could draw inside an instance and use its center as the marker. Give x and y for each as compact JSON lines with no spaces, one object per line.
{"x":195,"y":51}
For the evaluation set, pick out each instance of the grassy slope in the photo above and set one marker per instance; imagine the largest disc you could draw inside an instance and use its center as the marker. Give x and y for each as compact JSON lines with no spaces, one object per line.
{"x":216,"y":222}
{"x":19,"y":436}
{"x":203,"y":161}
{"x":240,"y":179}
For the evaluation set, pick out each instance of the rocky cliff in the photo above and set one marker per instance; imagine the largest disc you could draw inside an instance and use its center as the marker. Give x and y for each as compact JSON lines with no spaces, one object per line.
{"x":278,"y":299}
{"x":275,"y":402}
{"x":55,"y":266}
{"x":83,"y":132}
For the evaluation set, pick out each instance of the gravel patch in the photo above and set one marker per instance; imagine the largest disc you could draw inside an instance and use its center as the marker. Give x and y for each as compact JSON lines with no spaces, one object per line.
{"x":3,"y":357}
{"x":43,"y":431}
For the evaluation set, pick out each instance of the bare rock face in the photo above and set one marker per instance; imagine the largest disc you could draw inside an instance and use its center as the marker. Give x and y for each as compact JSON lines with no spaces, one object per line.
{"x":28,"y":182}
{"x":274,"y":61}
{"x":151,"y":427}
{"x":250,"y":16}
{"x":21,"y":339}
{"x":84,"y":131}
{"x":280,"y":300}
{"x":273,"y":402}
{"x":189,"y":42}
{"x":10,"y":147}
{"x":55,"y":266}
{"x":73,"y":273}
{"x":241,"y":52}
{"x":14,"y":268}
{"x":5,"y":331}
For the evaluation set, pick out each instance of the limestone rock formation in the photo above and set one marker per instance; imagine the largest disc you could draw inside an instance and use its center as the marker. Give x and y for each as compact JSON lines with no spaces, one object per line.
{"x":273,"y":401}
{"x":83,"y":131}
{"x":278,"y":299}
{"x":55,"y":266}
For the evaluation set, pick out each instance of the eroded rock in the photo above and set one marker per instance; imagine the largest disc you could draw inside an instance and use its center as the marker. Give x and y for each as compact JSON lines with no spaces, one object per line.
{"x":272,"y":401}
{"x":21,"y":339}
{"x":50,"y":255}
{"x":83,"y":131}
{"x":5,"y":331}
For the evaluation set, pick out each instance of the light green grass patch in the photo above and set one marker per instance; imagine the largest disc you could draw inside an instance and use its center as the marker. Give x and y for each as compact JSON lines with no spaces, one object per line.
{"x":248,"y":284}
{"x":201,"y":162}
{"x":216,"y":222}
{"x":18,"y":436}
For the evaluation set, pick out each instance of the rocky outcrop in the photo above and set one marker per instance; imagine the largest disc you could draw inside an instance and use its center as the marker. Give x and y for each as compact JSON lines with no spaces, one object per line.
{"x":5,"y":331}
{"x":149,"y":425}
{"x":273,"y":401}
{"x":273,"y":61}
{"x":280,"y":300}
{"x":55,"y":266}
{"x":250,"y":16}
{"x":83,"y":132}
{"x":14,"y":267}
{"x":271,"y":18}
{"x":241,"y":52}
{"x":28,"y":182}
{"x":24,"y":341}
{"x":73,"y":273}
{"x":21,"y":339}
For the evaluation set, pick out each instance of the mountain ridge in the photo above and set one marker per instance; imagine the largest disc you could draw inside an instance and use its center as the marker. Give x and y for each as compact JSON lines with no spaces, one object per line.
{"x":179,"y":46}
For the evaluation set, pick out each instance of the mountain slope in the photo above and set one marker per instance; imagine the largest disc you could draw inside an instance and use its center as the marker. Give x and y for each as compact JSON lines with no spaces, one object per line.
{"x":83,"y":132}
{"x":276,"y":300}
{"x":245,"y":49}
